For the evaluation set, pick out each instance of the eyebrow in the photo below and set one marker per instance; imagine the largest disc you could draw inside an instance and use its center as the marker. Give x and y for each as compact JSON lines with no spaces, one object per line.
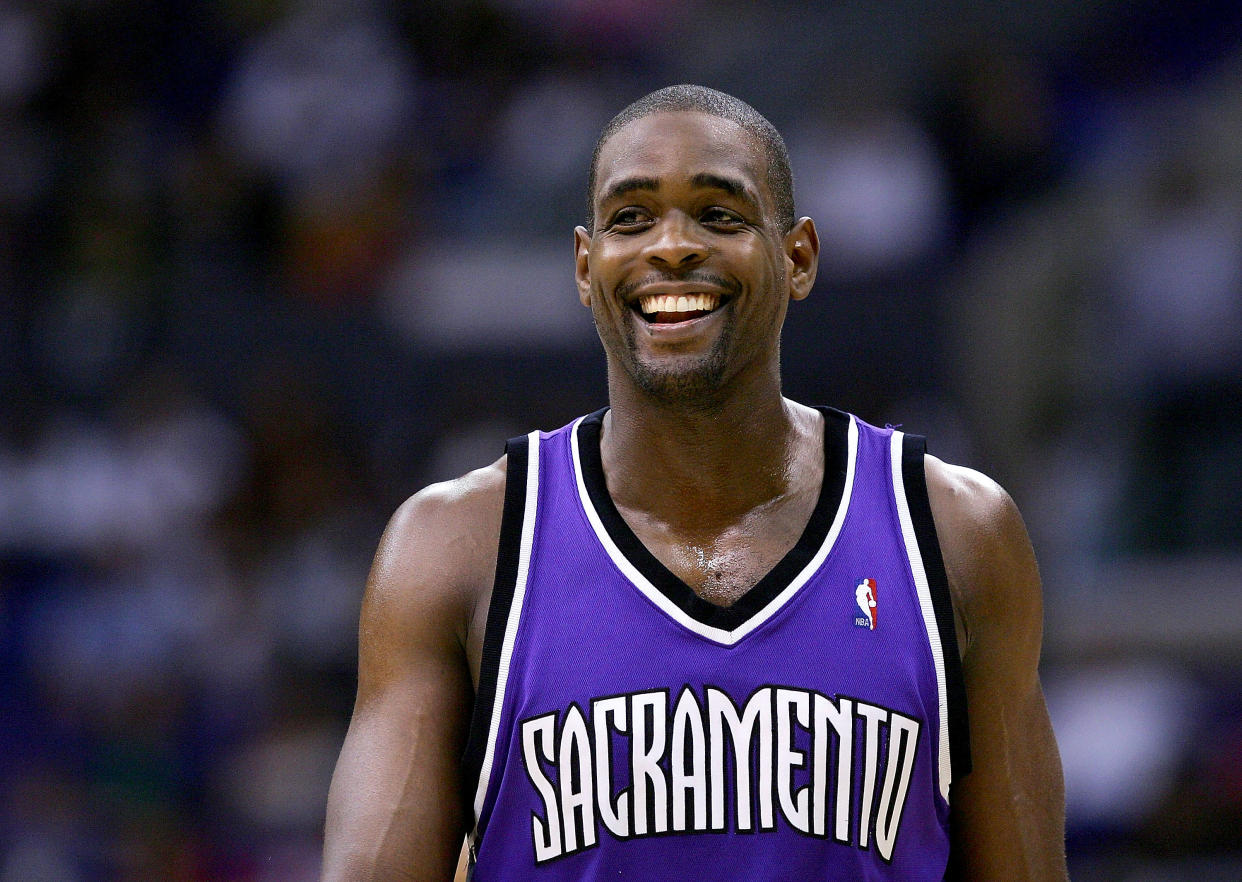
{"x":705,"y":180}
{"x":732,"y":186}
{"x":629,"y":185}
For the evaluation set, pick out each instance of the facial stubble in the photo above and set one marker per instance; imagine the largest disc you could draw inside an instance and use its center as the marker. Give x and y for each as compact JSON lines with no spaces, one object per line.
{"x":688,"y":380}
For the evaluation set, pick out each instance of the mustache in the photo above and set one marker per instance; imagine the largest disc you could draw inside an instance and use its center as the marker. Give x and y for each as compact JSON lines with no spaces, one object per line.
{"x":707,"y":279}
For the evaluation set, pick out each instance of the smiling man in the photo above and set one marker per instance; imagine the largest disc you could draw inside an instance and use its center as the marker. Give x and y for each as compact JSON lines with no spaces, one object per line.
{"x":706,"y":632}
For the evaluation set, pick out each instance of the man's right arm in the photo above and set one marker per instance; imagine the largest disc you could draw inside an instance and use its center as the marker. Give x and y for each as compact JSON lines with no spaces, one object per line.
{"x":395,"y":809}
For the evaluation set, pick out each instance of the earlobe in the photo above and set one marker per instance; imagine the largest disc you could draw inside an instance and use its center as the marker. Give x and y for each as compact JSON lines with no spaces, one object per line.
{"x":582,"y":269}
{"x":802,"y":252}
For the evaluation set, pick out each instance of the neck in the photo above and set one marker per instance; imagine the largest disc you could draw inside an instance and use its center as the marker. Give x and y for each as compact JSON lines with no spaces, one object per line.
{"x":701,"y":463}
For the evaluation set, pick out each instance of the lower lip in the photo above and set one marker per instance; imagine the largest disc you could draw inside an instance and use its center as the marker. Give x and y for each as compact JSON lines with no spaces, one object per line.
{"x":676,"y":330}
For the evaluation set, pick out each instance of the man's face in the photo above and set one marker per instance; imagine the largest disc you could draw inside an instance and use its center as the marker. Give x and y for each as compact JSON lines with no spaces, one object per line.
{"x":686,"y":271}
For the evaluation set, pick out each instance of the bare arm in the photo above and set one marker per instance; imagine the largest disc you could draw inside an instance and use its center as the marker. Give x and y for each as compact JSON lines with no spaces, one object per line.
{"x":395,"y":809}
{"x":1008,"y":814}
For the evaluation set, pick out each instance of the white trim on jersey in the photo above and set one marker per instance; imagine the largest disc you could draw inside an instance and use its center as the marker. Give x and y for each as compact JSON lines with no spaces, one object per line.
{"x":917,"y":570}
{"x":671,"y":609}
{"x":515,"y":616}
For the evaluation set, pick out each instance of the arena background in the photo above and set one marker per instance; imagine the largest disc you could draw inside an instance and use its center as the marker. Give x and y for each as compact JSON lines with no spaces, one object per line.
{"x":266,"y":268}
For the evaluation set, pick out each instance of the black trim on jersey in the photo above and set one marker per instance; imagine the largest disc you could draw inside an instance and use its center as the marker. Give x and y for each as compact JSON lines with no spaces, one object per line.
{"x":915,"y":479}
{"x":728,"y":618}
{"x":508,"y":552}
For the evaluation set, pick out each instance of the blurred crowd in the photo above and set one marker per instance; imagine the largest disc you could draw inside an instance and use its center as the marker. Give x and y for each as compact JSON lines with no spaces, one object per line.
{"x":267,"y":267}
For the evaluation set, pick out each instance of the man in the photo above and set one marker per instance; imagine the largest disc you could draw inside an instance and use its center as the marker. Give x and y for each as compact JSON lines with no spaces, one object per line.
{"x":708,"y":632}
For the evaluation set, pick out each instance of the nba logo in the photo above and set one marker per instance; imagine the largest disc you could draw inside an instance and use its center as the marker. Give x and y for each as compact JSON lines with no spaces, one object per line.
{"x":864,"y":594}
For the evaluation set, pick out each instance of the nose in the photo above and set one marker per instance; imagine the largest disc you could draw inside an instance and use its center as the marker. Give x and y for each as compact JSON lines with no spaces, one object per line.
{"x":676,"y":242}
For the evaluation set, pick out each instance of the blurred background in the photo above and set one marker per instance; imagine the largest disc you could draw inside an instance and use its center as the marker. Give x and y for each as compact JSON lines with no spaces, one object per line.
{"x":267,"y":267}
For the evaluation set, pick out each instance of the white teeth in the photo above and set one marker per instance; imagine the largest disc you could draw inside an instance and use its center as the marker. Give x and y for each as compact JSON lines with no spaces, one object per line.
{"x":653,"y":303}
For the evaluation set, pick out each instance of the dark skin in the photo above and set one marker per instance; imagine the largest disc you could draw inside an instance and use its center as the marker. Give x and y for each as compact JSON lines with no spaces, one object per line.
{"x":717,"y":474}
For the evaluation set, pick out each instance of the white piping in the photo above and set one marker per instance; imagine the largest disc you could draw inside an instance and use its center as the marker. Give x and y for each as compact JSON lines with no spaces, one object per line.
{"x":515,"y":617}
{"x":919,"y":573}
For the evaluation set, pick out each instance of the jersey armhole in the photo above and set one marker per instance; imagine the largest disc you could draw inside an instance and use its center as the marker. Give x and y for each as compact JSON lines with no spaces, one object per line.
{"x":508,"y":554}
{"x":914,"y":448}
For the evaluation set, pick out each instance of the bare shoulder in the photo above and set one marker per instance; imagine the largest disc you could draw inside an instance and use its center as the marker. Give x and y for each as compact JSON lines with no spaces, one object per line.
{"x":438,"y":553}
{"x":970,"y":500}
{"x":987,"y":554}
{"x":447,"y":515}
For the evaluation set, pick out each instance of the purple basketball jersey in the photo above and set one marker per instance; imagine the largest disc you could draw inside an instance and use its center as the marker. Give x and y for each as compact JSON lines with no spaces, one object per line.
{"x":626,"y":728}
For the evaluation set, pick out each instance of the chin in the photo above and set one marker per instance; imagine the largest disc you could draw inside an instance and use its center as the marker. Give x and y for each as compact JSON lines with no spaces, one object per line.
{"x":676,"y":378}
{"x":681,"y":382}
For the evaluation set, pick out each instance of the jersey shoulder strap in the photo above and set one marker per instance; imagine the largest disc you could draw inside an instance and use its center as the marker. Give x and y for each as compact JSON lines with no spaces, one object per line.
{"x":517,"y":509}
{"x":914,"y":477}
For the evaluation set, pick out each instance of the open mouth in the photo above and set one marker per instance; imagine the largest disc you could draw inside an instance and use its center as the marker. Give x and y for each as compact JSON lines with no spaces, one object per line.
{"x":661,"y":309}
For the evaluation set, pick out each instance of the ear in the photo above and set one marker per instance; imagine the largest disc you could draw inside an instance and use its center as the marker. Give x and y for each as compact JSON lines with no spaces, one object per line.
{"x":582,"y":270}
{"x":802,"y":254}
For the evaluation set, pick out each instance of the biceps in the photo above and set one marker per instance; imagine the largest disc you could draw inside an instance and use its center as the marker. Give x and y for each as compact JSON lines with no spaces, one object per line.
{"x":394,"y":809}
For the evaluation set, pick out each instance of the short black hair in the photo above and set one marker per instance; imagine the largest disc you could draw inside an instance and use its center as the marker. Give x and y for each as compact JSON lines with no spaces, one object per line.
{"x":688,"y":97}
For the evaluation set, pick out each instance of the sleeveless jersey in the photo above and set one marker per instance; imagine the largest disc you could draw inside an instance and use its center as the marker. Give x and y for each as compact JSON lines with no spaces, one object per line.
{"x":624,"y":728}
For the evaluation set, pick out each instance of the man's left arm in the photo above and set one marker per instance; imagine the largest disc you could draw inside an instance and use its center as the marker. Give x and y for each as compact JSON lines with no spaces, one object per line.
{"x":1008,"y":814}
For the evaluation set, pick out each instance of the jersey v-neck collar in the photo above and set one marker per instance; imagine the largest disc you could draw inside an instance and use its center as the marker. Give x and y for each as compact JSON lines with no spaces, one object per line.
{"x":721,"y":624}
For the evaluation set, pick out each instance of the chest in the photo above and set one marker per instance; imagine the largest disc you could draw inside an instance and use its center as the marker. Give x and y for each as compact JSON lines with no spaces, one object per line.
{"x":722,"y":565}
{"x":719,"y":569}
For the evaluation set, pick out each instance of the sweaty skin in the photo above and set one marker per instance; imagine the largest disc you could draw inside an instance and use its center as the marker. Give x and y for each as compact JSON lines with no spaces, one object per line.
{"x":716,"y":473}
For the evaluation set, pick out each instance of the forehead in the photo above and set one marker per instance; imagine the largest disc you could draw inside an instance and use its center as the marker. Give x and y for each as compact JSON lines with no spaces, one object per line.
{"x":673,"y":147}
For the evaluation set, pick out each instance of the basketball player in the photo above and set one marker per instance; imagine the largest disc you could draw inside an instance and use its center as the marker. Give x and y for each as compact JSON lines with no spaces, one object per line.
{"x":706,"y":632}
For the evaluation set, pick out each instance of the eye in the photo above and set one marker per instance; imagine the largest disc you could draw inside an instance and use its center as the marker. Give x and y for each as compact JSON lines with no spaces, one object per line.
{"x":721,"y":218}
{"x":630,"y":219}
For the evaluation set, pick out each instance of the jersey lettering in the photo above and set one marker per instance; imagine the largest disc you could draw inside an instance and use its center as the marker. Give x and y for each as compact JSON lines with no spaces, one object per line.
{"x":546,"y":831}
{"x":642,"y":765}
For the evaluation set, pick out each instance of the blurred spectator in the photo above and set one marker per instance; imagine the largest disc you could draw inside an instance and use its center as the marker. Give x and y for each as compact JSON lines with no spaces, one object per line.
{"x":993,"y":116}
{"x":321,"y":100}
{"x":1173,"y":320}
{"x":872,"y":181}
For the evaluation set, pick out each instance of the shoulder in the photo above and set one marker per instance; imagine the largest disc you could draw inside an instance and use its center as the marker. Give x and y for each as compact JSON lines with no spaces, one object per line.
{"x":970,"y":501}
{"x":437,"y":555}
{"x":987,"y":554}
{"x":455,"y":505}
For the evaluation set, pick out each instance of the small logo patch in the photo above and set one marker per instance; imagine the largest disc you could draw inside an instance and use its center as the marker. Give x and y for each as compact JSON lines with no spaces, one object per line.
{"x":864,"y":595}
